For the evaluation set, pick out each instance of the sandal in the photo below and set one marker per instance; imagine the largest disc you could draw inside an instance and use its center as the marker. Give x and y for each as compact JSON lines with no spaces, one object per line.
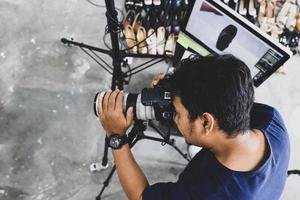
{"x":160,"y":41}
{"x":261,"y":12}
{"x":141,"y":40}
{"x":282,"y":16}
{"x":242,"y":9}
{"x":170,"y":45}
{"x":291,"y":17}
{"x":151,"y":41}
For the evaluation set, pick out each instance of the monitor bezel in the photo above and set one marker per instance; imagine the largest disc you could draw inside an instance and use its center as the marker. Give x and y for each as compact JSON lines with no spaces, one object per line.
{"x":285,"y":52}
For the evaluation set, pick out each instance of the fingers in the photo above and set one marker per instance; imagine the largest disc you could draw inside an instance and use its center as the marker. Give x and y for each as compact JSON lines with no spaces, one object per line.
{"x":99,"y":106}
{"x":112,"y":100}
{"x":119,"y":102}
{"x":157,"y":78}
{"x":129,"y":116}
{"x":105,"y":101}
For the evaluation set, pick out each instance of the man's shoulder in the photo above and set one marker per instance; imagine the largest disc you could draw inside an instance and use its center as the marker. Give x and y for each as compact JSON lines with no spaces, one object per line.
{"x":266,"y":118}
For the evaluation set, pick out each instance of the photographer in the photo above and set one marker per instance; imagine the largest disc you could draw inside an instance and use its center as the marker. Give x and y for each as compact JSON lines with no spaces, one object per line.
{"x":245,"y":151}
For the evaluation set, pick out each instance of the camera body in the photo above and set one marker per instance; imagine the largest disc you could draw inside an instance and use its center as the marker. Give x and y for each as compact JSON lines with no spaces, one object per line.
{"x":151,"y":103}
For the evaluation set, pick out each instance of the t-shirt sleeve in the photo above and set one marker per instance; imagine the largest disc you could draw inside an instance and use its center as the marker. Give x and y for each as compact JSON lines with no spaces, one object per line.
{"x":179,"y":191}
{"x":166,"y":191}
{"x":263,"y":115}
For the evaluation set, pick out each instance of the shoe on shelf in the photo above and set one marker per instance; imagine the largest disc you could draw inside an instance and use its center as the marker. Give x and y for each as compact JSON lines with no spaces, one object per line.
{"x":294,"y":41}
{"x":168,"y":24}
{"x":264,"y":24}
{"x":252,"y":7}
{"x":242,"y":9}
{"x":285,"y":38}
{"x":129,"y":18}
{"x":281,"y":70}
{"x":130,"y":39}
{"x":129,"y":5}
{"x":146,"y":22}
{"x":175,"y":25}
{"x":282,"y":16}
{"x":261,"y":12}
{"x":157,"y":2}
{"x":137,"y":23}
{"x":292,"y":17}
{"x":138,"y":5}
{"x":147,"y":2}
{"x":170,"y":45}
{"x":141,"y":37}
{"x":298,"y":22}
{"x":161,"y":39}
{"x":151,"y":41}
{"x":274,"y":32}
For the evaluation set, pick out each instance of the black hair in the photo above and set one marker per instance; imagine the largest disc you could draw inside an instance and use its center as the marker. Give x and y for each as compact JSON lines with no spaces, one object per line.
{"x":220,"y":85}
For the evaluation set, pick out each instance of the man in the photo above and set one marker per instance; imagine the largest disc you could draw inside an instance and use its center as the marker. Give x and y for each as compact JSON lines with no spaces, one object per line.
{"x":245,"y":151}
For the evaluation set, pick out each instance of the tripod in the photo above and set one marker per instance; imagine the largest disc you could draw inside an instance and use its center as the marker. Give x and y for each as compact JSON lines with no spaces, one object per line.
{"x":119,"y":79}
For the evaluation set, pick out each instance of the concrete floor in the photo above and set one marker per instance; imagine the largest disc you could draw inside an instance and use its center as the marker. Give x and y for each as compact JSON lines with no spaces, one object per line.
{"x":48,"y":132}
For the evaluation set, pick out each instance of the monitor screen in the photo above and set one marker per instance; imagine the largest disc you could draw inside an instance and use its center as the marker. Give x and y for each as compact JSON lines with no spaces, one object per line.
{"x":220,"y":30}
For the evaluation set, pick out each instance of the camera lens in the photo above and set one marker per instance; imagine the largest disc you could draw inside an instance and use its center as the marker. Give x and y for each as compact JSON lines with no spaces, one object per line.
{"x":141,"y":112}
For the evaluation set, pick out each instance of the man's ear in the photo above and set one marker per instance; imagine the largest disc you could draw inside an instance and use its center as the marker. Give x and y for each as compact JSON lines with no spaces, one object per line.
{"x":204,"y":124}
{"x":208,"y":122}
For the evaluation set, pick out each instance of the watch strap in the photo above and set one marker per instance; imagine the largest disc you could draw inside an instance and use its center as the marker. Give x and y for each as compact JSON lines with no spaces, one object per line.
{"x":122,"y":139}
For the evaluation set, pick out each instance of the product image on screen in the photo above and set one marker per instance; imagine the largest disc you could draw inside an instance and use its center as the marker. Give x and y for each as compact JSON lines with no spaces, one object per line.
{"x":219,"y":30}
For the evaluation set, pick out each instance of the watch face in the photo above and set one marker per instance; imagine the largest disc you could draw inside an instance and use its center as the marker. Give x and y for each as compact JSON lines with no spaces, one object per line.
{"x":115,"y":142}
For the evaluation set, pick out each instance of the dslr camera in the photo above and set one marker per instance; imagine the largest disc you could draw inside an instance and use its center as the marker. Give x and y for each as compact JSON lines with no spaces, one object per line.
{"x":151,"y":104}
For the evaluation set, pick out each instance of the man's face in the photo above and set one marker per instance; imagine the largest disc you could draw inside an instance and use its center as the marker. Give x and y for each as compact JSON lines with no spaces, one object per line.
{"x":181,"y":119}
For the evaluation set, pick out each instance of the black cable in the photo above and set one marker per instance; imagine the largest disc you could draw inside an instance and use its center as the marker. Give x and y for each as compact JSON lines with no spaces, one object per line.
{"x":297,"y":172}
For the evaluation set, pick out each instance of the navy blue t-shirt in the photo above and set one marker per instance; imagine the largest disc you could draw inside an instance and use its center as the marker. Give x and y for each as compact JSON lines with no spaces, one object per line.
{"x":206,"y":178}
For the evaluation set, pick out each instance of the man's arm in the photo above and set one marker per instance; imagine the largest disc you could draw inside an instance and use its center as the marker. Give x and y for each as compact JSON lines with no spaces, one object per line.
{"x":111,"y":116}
{"x":130,"y":174}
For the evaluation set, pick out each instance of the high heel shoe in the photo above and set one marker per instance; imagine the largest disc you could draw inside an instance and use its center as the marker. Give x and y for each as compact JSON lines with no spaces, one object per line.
{"x":170,"y":45}
{"x":130,"y":39}
{"x":137,"y":22}
{"x":141,"y":40}
{"x":151,"y":41}
{"x":161,"y":39}
{"x":129,"y":18}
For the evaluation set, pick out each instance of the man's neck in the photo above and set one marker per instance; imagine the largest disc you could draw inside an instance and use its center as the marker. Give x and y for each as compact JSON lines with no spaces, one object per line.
{"x":244,"y":152}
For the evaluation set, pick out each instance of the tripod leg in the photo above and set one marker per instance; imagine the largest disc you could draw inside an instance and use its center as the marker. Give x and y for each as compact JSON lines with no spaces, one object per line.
{"x":106,"y":182}
{"x":104,"y":158}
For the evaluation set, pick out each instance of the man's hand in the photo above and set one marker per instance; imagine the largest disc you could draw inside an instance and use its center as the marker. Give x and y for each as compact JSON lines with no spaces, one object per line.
{"x":157,"y":78}
{"x":110,"y":112}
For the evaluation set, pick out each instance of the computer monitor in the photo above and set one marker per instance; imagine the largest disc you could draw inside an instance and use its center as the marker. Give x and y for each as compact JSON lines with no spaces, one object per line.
{"x":213,"y":28}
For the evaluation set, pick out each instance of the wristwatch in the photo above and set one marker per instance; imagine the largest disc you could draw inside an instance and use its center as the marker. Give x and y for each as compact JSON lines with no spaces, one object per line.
{"x":116,"y":141}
